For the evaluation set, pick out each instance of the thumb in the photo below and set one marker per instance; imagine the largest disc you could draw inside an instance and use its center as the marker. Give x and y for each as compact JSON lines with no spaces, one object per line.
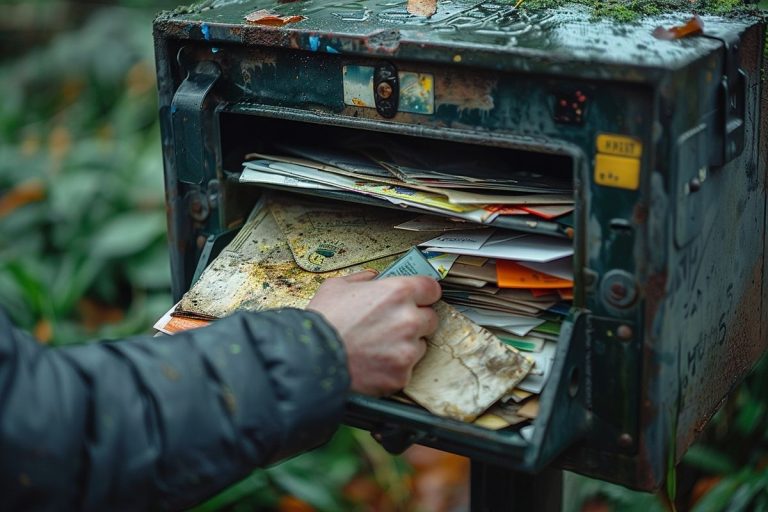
{"x":365,"y":275}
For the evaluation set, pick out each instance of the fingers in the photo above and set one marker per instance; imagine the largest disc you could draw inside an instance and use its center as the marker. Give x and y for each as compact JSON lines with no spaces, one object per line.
{"x":430,"y":320}
{"x":424,"y":290}
{"x":421,"y":349}
{"x":357,"y":277}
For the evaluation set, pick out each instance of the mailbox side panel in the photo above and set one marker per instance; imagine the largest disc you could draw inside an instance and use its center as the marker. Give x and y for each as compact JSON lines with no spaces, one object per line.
{"x":704,"y":313}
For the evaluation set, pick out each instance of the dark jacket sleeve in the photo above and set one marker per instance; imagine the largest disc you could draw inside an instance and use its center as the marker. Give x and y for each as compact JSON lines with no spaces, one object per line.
{"x":149,"y":423}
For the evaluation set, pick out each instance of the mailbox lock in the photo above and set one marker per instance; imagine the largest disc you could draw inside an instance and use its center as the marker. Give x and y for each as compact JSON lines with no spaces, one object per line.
{"x":386,"y":89}
{"x":618,"y":289}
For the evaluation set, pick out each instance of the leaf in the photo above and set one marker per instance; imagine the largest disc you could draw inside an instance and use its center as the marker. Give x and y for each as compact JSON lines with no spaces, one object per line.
{"x":22,"y":194}
{"x":719,"y":497}
{"x":744,"y":496}
{"x":750,"y":417}
{"x":579,"y":489}
{"x":312,"y":490}
{"x":709,"y":460}
{"x":127,"y":234}
{"x":255,"y":485}
{"x":150,"y":269}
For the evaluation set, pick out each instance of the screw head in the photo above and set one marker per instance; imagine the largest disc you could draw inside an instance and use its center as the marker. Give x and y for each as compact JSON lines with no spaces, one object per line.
{"x":624,"y":332}
{"x":625,"y":440}
{"x":618,"y":290}
{"x":695,"y":185}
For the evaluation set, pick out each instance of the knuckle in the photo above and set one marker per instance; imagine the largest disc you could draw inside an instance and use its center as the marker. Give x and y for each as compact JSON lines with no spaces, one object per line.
{"x":399,"y":291}
{"x":399,"y":380}
{"x":404,"y":359}
{"x":430,"y":287}
{"x":410,"y":324}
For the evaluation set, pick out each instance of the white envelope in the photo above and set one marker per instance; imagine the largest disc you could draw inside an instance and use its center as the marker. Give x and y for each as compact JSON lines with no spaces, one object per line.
{"x":518,"y":247}
{"x":562,"y":268}
{"x":534,"y":381}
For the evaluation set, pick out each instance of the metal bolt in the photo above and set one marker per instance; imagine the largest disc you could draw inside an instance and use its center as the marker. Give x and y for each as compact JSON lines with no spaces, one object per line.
{"x":624,"y":332}
{"x":384,"y":90}
{"x":694,"y":185}
{"x":618,"y":290}
{"x":625,"y":440}
{"x":197,"y":205}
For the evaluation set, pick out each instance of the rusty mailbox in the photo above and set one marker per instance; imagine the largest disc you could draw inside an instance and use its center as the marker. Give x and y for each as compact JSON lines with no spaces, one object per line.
{"x":663,"y":140}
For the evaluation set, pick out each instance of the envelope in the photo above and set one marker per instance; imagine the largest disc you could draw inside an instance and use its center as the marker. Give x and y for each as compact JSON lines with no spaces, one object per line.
{"x":465,"y":370}
{"x":257,"y":271}
{"x":326,"y":235}
{"x":510,"y":274}
{"x":518,"y":247}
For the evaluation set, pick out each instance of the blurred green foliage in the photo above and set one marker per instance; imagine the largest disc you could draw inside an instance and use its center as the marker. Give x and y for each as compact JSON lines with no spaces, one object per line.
{"x":83,"y":250}
{"x":82,"y":223}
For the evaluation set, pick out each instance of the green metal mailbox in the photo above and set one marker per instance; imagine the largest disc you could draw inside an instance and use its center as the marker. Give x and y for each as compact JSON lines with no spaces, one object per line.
{"x":665,"y":141}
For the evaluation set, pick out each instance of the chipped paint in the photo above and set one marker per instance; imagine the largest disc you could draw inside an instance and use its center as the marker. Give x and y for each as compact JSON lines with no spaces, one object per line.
{"x":314,"y":42}
{"x":424,"y":8}
{"x":464,"y":91}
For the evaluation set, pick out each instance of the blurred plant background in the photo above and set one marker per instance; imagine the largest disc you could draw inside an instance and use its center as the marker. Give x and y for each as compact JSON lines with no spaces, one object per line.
{"x":83,"y":256}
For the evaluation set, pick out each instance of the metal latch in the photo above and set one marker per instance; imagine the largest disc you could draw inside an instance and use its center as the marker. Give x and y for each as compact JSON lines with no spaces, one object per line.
{"x":732,"y":98}
{"x":192,"y":120}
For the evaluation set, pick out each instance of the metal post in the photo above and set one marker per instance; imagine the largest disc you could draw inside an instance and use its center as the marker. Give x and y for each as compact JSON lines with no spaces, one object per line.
{"x":495,"y":489}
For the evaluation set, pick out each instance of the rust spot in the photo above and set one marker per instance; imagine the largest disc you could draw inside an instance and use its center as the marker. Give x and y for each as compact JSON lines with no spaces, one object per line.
{"x":268,"y":18}
{"x":258,"y":36}
{"x":640,"y":213}
{"x":655,"y":289}
{"x":424,"y":8}
{"x":465,"y":92}
{"x":692,"y":27}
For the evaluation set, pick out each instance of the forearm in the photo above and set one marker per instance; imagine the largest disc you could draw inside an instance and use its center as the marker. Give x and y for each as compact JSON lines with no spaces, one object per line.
{"x":165,"y":422}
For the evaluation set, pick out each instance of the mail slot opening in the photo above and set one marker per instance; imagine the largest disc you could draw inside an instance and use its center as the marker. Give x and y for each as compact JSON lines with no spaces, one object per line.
{"x":493,"y":222}
{"x":489,"y":157}
{"x":243,"y":133}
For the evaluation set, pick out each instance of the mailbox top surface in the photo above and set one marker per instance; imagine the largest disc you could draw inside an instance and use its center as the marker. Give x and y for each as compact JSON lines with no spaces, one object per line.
{"x":496,"y":35}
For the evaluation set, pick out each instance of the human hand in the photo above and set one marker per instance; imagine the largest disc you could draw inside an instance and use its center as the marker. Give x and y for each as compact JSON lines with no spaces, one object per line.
{"x":382,"y":325}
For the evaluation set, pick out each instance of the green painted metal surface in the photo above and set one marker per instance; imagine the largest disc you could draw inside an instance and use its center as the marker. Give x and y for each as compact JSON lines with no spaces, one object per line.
{"x":668,"y":311}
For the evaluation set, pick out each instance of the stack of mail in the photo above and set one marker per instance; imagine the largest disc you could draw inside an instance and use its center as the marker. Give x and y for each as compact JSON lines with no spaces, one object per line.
{"x":290,"y":245}
{"x":466,"y":190}
{"x":505,"y":292}
{"x":518,"y":286}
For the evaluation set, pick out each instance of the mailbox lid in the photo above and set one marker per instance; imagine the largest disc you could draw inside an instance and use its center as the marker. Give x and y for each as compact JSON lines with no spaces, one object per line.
{"x":567,"y":40}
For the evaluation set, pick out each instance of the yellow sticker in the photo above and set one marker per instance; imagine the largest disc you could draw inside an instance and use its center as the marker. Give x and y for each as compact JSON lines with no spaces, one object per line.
{"x":617,"y":171}
{"x":619,"y":145}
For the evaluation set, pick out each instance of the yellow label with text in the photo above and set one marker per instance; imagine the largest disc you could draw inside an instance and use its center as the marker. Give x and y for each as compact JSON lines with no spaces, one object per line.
{"x":619,"y":145}
{"x":617,"y":171}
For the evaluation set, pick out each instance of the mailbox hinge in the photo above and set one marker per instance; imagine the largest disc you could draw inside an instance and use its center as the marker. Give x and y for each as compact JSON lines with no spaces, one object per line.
{"x":192,"y":121}
{"x":731,"y":107}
